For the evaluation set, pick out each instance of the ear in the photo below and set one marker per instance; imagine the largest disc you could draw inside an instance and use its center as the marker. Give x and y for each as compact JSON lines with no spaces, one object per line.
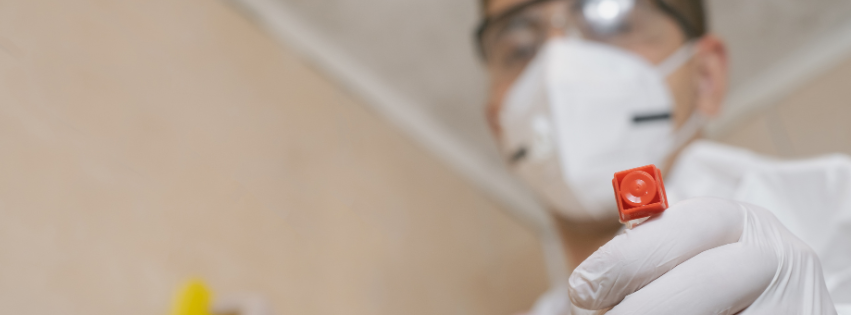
{"x":492,"y":109}
{"x":712,"y":74}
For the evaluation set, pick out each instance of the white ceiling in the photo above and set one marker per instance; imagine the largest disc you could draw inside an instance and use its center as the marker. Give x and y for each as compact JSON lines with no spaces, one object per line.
{"x":762,"y":32}
{"x":422,"y":49}
{"x":415,"y":62}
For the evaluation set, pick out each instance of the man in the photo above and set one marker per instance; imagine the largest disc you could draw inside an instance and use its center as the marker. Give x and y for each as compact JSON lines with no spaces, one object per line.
{"x":581,"y":89}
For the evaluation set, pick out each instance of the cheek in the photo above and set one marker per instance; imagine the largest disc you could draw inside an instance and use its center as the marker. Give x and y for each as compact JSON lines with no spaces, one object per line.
{"x":683,"y":92}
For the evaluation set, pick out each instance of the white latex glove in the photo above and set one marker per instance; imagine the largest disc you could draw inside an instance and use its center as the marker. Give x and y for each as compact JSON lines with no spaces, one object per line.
{"x":704,"y":256}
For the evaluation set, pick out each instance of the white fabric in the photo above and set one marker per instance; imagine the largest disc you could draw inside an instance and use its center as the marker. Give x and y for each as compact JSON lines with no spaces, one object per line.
{"x":571,"y":111}
{"x":809,"y":198}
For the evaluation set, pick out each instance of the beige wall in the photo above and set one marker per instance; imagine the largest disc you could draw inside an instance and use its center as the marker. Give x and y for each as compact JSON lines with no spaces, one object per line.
{"x":815,"y":119}
{"x":145,"y":142}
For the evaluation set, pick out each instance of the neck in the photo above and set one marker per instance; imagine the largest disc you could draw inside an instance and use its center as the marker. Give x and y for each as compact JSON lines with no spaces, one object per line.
{"x":581,"y":239}
{"x":669,"y":162}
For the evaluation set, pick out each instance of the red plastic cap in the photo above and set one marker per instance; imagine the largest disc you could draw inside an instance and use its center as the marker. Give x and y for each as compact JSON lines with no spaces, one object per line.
{"x":640,"y":192}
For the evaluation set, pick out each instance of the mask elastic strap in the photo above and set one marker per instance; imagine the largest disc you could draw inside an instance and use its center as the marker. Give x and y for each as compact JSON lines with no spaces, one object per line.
{"x":677,"y":59}
{"x":688,"y":130}
{"x":696,"y":122}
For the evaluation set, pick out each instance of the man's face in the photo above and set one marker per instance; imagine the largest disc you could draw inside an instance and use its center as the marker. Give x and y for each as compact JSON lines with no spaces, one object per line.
{"x":656,"y":36}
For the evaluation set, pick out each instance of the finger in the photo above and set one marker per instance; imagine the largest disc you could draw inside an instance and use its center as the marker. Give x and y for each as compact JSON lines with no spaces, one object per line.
{"x":724,"y":280}
{"x":632,"y":260}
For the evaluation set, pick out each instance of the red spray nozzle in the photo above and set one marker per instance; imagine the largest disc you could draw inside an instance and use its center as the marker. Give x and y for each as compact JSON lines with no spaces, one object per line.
{"x":640,"y":193}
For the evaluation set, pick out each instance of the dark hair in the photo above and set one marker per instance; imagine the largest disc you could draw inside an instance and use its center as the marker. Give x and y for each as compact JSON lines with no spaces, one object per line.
{"x":689,"y":14}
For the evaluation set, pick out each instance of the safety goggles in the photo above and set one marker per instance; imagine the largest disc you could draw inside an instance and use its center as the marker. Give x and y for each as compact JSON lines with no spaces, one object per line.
{"x":508,"y":41}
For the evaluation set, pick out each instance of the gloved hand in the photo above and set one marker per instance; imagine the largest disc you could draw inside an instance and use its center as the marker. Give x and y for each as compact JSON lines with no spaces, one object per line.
{"x":704,"y":256}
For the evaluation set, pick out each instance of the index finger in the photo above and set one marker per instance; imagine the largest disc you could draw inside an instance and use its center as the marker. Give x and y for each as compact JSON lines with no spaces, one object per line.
{"x":633,"y":259}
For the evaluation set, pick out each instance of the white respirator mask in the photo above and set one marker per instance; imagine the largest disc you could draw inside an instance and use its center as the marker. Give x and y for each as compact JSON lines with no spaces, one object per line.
{"x":582,"y":111}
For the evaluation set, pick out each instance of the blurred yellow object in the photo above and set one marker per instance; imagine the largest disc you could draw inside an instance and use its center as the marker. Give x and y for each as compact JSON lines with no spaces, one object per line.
{"x":194,"y":299}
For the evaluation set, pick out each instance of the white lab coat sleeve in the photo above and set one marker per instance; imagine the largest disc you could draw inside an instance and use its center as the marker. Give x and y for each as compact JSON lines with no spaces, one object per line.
{"x":708,"y":169}
{"x":812,"y":198}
